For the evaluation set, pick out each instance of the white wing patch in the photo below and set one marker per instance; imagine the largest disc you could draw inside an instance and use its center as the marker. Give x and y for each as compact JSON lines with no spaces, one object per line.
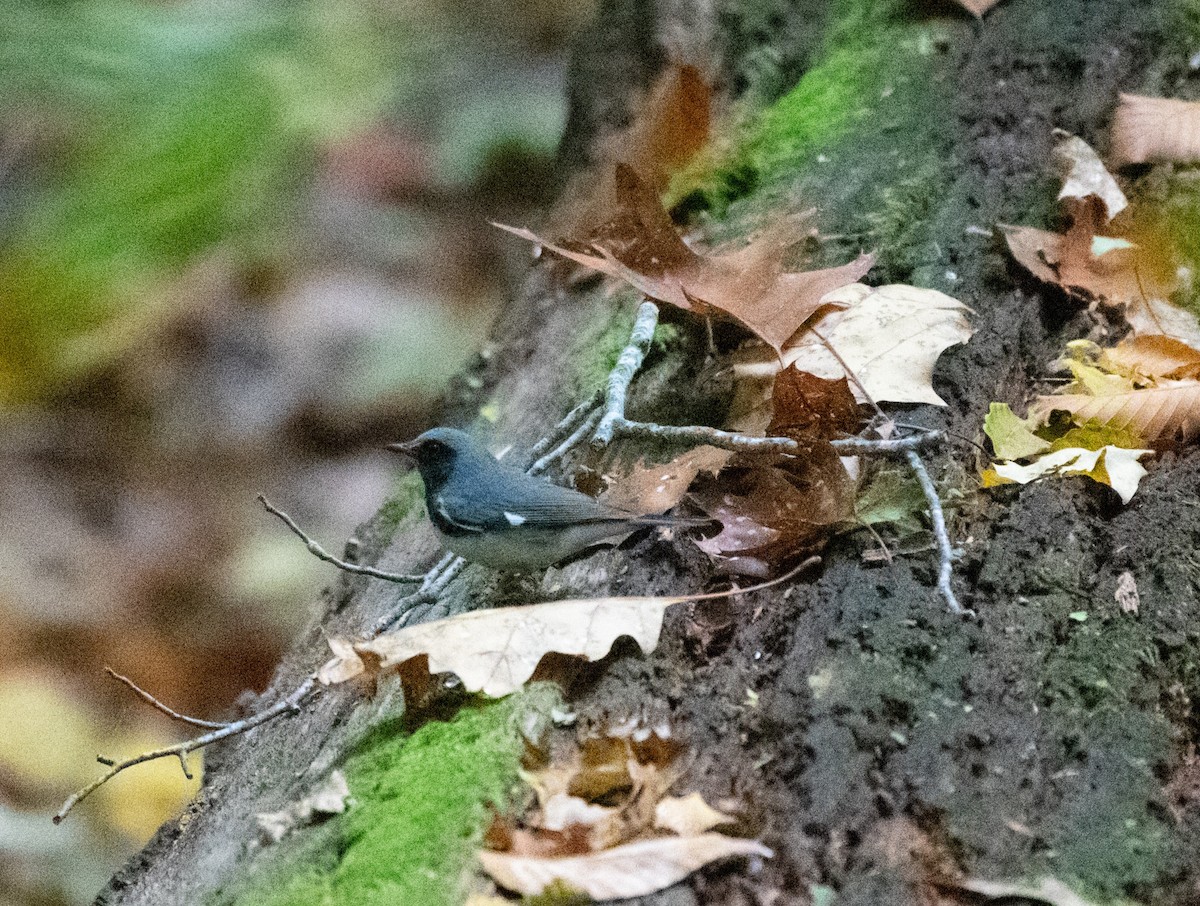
{"x":514,"y":518}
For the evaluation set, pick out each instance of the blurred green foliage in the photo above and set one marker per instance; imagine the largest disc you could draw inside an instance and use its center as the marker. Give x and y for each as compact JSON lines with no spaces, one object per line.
{"x":162,"y":132}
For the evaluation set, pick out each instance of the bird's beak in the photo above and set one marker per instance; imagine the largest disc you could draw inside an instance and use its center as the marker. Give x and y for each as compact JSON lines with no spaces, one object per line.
{"x":408,"y":448}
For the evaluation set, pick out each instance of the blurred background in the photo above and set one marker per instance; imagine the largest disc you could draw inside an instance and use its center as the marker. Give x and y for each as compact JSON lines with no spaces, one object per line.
{"x":243,"y":243}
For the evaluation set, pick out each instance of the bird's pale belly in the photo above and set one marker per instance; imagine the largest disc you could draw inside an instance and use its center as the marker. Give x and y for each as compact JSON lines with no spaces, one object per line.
{"x":530,"y":548}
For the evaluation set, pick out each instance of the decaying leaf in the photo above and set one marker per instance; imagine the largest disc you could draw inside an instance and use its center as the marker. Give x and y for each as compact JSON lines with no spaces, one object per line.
{"x":1012,"y":437}
{"x":804,"y":406}
{"x":632,"y":870}
{"x":653,"y":488}
{"x":1047,"y":890}
{"x":668,"y":131}
{"x":329,"y":798}
{"x":1084,"y":174}
{"x":497,"y":651}
{"x":888,"y":336}
{"x":773,"y":514}
{"x":688,"y":816}
{"x":641,"y":246}
{"x":1116,"y":467}
{"x":1149,"y":129}
{"x":1167,"y":412}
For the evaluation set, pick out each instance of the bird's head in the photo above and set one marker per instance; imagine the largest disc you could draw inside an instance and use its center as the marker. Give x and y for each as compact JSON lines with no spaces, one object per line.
{"x":436,"y":452}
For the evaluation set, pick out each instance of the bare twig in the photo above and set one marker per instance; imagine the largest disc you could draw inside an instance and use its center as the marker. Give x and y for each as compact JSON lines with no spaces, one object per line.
{"x":410,"y":606}
{"x":622,"y":375}
{"x":154,"y":702}
{"x":583,"y":431}
{"x":569,"y":423}
{"x":938,"y":518}
{"x":745,"y":443}
{"x":180,"y":750}
{"x":321,"y":554}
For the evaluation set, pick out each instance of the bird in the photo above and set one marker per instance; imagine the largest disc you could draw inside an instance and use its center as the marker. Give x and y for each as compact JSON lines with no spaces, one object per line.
{"x":488,"y":512}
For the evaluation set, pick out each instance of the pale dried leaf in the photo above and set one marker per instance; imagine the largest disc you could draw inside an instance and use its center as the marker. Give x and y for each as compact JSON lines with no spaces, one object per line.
{"x":1152,"y":356}
{"x":977,"y":7}
{"x":1149,"y":129}
{"x":562,"y":810}
{"x":632,"y":870}
{"x":329,"y":798}
{"x":1047,"y":890}
{"x":496,"y":651}
{"x":1084,"y":174}
{"x":1127,"y":595}
{"x":688,"y":816}
{"x":345,"y":664}
{"x":889,"y":337}
{"x":1153,"y":316}
{"x":1166,"y":412}
{"x":1116,"y":467}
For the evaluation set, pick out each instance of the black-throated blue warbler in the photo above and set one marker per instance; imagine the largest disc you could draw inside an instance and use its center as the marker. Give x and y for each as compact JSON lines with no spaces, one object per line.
{"x":491,"y":513}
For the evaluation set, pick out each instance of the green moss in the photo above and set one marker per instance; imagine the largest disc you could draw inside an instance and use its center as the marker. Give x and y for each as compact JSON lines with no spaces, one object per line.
{"x":419,"y":808}
{"x":596,"y":351}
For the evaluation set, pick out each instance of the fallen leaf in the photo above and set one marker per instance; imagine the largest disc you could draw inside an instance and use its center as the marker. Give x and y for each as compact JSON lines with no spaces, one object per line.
{"x":562,"y":810}
{"x":1126,"y":594}
{"x":1116,"y":467}
{"x":345,"y":664}
{"x":653,"y":488}
{"x":667,"y":132}
{"x":1165,"y":412}
{"x":631,"y":870}
{"x":891,"y":496}
{"x":1011,"y":437}
{"x":1149,"y":129}
{"x":1158,"y":317}
{"x":771,"y":514}
{"x":497,"y":651}
{"x":329,"y":798}
{"x":1152,"y":356}
{"x":641,"y":246}
{"x":1047,"y":890}
{"x":805,"y":406}
{"x":688,"y":816}
{"x":977,"y":7}
{"x":889,"y":337}
{"x":1084,"y":174}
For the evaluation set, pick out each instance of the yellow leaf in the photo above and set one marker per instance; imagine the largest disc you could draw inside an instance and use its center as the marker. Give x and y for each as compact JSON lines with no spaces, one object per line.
{"x":1116,"y":467}
{"x":1011,"y":437}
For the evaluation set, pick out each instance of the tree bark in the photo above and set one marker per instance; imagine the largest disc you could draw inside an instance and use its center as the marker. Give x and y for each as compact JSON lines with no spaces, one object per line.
{"x":892,"y":744}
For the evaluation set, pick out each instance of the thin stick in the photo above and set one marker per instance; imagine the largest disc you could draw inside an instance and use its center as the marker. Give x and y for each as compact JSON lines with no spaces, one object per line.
{"x":744,"y":443}
{"x":436,"y":580}
{"x":586,"y":427}
{"x":154,"y":702}
{"x":180,"y":750}
{"x":622,"y":375}
{"x":945,"y":550}
{"x":321,"y":554}
{"x":565,"y":427}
